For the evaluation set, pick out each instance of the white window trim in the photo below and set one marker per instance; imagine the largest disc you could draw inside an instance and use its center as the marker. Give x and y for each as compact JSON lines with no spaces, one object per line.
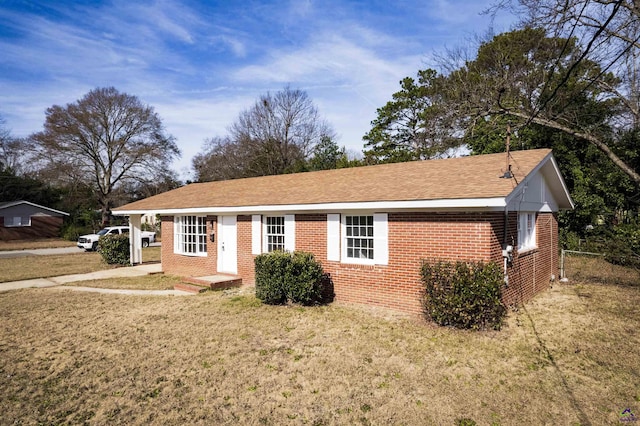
{"x":380,"y":239}
{"x":289,"y":233}
{"x":256,"y":234}
{"x":265,"y":237}
{"x":177,"y":241}
{"x":333,"y":237}
{"x":527,"y":240}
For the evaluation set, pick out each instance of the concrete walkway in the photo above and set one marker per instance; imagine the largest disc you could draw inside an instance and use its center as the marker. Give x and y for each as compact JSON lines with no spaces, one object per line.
{"x":125,"y":272}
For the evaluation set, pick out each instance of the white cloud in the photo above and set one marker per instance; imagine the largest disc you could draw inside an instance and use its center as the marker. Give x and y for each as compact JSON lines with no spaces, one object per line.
{"x":200,"y":64}
{"x":347,"y":78}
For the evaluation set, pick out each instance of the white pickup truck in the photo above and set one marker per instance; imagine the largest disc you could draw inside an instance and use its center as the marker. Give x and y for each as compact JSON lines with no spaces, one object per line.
{"x":90,"y":242}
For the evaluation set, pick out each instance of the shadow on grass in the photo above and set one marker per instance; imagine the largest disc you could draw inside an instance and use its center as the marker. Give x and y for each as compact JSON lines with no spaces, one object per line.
{"x":582,"y":416}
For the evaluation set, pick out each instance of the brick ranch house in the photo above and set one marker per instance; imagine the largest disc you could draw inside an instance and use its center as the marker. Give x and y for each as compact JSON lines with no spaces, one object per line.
{"x":22,"y":220}
{"x":372,"y":226}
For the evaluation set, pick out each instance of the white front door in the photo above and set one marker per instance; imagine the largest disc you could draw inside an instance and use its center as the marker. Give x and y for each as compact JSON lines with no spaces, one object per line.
{"x":227,"y":245}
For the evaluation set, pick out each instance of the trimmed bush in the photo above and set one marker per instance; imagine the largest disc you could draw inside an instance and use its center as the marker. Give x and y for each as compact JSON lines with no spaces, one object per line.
{"x":304,"y":278}
{"x":271,"y":269}
{"x":295,"y":277}
{"x":115,"y":249}
{"x":463,"y":295}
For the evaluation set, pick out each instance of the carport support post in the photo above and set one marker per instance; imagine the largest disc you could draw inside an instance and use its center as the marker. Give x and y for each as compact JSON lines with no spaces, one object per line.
{"x":135,"y":238}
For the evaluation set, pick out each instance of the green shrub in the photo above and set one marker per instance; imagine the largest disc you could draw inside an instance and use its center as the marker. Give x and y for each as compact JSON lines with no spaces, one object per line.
{"x":270,"y":277}
{"x":463,"y":295}
{"x":115,"y":249}
{"x":304,"y":278}
{"x":71,"y":231}
{"x":295,"y":277}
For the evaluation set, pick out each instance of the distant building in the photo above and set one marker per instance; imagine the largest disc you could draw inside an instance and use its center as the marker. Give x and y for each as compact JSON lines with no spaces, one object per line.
{"x":22,"y":220}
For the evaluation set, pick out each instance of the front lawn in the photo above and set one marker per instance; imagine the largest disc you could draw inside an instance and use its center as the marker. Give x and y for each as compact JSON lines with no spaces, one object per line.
{"x":568,"y":357}
{"x":30,"y":267}
{"x":35,"y":244}
{"x":148,"y":282}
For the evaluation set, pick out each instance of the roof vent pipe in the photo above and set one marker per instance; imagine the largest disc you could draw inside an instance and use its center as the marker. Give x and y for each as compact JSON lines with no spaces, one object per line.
{"x":507,"y":174}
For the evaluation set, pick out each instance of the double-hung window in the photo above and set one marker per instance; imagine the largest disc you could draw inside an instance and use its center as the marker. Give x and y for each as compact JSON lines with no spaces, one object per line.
{"x":190,"y":235}
{"x":271,"y":233}
{"x":526,"y":231}
{"x":274,"y":233}
{"x":359,"y":238}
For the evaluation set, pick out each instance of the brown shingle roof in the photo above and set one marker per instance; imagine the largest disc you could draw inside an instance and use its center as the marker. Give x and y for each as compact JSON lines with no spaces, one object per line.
{"x":454,"y":178}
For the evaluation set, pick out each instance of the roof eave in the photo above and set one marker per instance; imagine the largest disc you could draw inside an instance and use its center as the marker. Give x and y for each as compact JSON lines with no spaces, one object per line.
{"x":494,"y":203}
{"x":15,"y":203}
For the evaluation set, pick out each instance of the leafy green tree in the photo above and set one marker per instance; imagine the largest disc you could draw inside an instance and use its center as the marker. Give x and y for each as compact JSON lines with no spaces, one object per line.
{"x":326,"y":155}
{"x":412,"y":125}
{"x":535,"y":83}
{"x":14,"y":187}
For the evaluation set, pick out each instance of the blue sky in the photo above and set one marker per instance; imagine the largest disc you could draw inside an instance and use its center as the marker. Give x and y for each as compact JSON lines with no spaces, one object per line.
{"x":200,"y":63}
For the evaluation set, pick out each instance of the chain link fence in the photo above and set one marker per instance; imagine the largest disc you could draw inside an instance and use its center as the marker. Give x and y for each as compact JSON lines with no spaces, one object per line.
{"x":582,"y":266}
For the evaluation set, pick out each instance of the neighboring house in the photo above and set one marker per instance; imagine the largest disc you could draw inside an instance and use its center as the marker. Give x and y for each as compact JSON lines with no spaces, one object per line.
{"x":22,"y":220}
{"x":150,"y":220}
{"x":371,"y":227}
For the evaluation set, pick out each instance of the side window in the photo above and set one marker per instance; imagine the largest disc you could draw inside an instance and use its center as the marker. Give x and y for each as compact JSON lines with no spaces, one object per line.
{"x":527,"y":231}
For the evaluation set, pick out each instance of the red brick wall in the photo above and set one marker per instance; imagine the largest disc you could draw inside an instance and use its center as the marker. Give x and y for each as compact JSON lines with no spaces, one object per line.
{"x":41,"y":227}
{"x":412,"y":238}
{"x":183,"y":265}
{"x":531,"y":271}
{"x":245,"y":259}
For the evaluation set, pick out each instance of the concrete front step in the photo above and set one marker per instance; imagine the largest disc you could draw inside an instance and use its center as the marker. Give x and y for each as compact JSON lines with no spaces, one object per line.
{"x":215,"y":282}
{"x":190,"y":288}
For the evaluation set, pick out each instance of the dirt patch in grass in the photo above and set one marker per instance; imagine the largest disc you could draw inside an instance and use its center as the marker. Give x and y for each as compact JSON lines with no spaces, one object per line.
{"x":569,"y":357}
{"x":149,"y":282}
{"x":35,"y":244}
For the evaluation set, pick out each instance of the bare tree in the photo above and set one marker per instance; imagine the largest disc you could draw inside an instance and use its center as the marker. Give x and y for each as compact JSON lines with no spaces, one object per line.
{"x":14,"y":151}
{"x":102,"y":141}
{"x":276,"y":135}
{"x":607,"y":33}
{"x":222,"y":159}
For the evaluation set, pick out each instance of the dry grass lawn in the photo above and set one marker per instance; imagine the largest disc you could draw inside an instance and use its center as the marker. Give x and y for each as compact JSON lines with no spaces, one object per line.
{"x":29,"y":267}
{"x":569,"y":357}
{"x":35,"y":244}
{"x":149,"y":282}
{"x":597,"y":270}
